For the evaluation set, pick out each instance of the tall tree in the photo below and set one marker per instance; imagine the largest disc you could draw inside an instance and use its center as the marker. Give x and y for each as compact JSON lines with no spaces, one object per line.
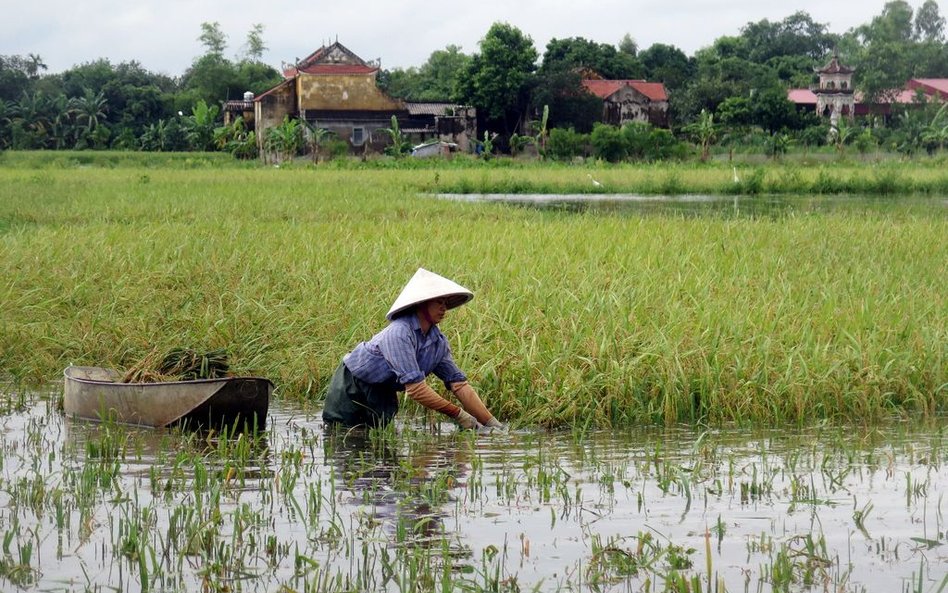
{"x":255,"y":44}
{"x":440,"y":73}
{"x":796,"y":35}
{"x":929,"y":24}
{"x":602,"y":58}
{"x":14,"y":77}
{"x":627,"y":45}
{"x":497,"y":78}
{"x":213,"y":39}
{"x":570,"y":105}
{"x":667,"y":64}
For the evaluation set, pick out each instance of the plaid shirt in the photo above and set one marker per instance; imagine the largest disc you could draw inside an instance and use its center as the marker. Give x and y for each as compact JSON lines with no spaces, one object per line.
{"x":401,"y":354}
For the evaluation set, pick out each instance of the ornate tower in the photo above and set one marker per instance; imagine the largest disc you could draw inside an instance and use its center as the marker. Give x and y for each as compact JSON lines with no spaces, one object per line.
{"x":834,"y":95}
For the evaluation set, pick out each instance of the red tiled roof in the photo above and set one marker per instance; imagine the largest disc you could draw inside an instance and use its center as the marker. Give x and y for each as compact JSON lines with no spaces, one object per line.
{"x":801,"y":96}
{"x":808,"y":97}
{"x":338,"y":69}
{"x":655,"y":91}
{"x":931,"y":86}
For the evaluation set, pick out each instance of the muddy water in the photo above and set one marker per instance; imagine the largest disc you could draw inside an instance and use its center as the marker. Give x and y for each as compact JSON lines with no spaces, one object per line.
{"x":87,"y":506}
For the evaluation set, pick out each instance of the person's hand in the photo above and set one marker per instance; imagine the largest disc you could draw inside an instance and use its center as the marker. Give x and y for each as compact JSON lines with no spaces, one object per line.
{"x":467,"y":421}
{"x":496,"y":424}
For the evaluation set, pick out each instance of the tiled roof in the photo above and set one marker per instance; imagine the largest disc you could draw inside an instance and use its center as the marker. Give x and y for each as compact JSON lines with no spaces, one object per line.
{"x":655,"y":91}
{"x":338,"y":69}
{"x":930,"y":85}
{"x":834,"y":67}
{"x":430,"y":107}
{"x":801,"y":96}
{"x":808,"y":97}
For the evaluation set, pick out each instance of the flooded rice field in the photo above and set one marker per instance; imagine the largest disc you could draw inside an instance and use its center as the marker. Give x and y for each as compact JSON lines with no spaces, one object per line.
{"x":105,"y":507}
{"x":736,"y":206}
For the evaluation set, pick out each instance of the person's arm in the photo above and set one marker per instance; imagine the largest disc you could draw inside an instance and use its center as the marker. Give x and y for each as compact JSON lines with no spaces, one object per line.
{"x":422,"y":393}
{"x":473,"y":404}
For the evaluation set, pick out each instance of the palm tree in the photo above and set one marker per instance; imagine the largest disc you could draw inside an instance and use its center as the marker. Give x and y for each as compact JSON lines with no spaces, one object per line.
{"x":61,"y":125}
{"x":6,"y":119}
{"x":30,"y":114}
{"x":90,"y":108}
{"x":33,"y":66}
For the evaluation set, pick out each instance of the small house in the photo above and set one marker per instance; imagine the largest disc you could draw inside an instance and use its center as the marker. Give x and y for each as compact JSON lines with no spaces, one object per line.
{"x":625,"y":101}
{"x":336,"y":90}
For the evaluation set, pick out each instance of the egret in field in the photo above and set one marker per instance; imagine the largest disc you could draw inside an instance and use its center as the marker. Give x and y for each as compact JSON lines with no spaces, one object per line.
{"x":596,"y":183}
{"x":736,"y":178}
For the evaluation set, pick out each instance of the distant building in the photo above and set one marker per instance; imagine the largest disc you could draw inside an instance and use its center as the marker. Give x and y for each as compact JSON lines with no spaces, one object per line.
{"x":835,"y":97}
{"x":625,"y":101}
{"x":336,"y":90}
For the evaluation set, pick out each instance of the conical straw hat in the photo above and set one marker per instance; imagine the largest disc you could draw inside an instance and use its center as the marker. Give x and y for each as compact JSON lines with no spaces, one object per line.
{"x":424,"y":286}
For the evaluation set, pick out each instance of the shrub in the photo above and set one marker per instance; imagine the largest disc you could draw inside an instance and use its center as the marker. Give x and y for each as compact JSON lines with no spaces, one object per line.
{"x":608,"y":143}
{"x":564,"y":144}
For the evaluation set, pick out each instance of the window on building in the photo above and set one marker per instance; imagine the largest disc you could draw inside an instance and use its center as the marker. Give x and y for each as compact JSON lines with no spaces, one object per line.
{"x":830,"y":84}
{"x":358,"y":136}
{"x":842,"y":85}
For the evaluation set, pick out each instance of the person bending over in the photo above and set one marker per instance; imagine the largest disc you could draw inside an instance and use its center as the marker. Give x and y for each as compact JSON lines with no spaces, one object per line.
{"x":364,"y":388}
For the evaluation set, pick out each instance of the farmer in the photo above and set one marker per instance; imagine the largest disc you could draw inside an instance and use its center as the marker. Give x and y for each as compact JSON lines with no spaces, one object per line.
{"x":363,"y":390}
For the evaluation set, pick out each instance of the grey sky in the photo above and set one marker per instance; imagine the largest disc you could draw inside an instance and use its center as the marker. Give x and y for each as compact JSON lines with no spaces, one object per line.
{"x":162,"y":36}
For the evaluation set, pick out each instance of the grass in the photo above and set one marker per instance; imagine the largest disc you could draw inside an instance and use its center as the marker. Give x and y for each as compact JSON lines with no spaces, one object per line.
{"x":578,"y":319}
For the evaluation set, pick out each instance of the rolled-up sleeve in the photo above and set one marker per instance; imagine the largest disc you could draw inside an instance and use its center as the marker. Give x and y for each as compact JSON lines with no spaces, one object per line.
{"x":448,"y":371}
{"x":398,"y":348}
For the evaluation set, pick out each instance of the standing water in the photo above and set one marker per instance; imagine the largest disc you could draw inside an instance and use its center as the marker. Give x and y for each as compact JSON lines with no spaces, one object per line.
{"x":105,"y":507}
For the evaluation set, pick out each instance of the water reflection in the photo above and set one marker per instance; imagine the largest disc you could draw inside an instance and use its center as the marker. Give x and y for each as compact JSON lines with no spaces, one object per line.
{"x":408,"y":491}
{"x":771,"y":206}
{"x":123,"y":508}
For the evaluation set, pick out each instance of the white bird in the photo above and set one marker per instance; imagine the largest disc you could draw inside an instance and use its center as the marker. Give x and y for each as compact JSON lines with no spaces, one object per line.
{"x":596,"y":183}
{"x":736,"y":178}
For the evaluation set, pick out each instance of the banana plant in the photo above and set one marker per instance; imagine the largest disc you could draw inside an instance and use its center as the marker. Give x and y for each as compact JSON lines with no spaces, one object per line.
{"x":400,"y":144}
{"x":540,"y":139}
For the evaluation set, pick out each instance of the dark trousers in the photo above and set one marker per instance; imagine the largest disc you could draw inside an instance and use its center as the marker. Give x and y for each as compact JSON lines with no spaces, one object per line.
{"x":353,"y":402}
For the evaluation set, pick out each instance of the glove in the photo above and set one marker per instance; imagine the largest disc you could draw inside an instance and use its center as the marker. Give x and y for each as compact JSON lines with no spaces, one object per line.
{"x":422,"y":393}
{"x":470,"y":401}
{"x":496,"y":425}
{"x":466,"y":421}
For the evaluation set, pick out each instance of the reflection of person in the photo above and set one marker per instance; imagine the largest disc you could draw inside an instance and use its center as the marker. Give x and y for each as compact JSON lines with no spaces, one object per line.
{"x":413,"y":490}
{"x":363,"y":390}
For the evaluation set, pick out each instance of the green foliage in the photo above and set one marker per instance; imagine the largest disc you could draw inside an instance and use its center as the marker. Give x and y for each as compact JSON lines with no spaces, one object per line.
{"x":569,"y":103}
{"x":647,"y":143}
{"x":704,"y":132}
{"x":668,"y":64}
{"x":496,"y":79}
{"x":602,"y":58}
{"x":796,"y":35}
{"x":566,"y":144}
{"x":213,"y":38}
{"x":255,"y":44}
{"x":315,"y":138}
{"x":608,"y":143}
{"x":283,"y":142}
{"x":486,"y":146}
{"x":236,"y":139}
{"x":400,"y":145}
{"x":200,"y":125}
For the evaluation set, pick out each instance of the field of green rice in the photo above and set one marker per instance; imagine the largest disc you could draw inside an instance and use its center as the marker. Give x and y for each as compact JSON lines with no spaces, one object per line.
{"x":578,"y":319}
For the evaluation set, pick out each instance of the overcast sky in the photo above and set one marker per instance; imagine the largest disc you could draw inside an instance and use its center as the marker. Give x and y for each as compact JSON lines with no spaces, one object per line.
{"x":162,"y":35}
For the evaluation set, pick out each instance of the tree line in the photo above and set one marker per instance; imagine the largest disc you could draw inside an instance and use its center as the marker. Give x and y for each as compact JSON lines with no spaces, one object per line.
{"x":733,"y":89}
